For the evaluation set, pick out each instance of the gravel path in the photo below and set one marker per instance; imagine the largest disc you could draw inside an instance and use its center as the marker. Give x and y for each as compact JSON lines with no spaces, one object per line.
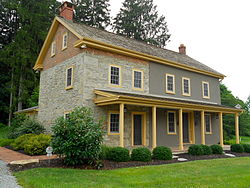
{"x":6,"y":179}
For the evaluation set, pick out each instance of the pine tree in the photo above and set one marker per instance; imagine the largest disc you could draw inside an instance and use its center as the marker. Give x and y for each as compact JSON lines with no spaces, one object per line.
{"x":139,"y":19}
{"x":93,"y":12}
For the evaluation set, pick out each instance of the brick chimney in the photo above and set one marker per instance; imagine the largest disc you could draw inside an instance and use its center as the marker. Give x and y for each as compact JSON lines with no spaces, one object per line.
{"x":182,"y":49}
{"x":67,"y":10}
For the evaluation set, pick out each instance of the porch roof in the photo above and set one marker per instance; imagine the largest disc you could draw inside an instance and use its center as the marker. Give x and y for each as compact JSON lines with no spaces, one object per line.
{"x":108,"y":97}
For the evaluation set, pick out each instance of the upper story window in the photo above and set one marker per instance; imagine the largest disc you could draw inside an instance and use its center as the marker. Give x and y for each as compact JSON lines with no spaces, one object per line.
{"x":170,"y":83}
{"x":171,"y":122}
{"x":115,"y":75}
{"x":69,"y":77}
{"x":53,"y":48}
{"x":114,"y":122}
{"x":205,"y":90}
{"x":186,"y":86}
{"x":137,"y":79}
{"x":208,"y":122}
{"x":65,"y":41}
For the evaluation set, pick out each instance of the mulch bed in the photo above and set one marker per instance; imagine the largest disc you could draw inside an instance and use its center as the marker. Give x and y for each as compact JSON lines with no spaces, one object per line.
{"x":201,"y":157}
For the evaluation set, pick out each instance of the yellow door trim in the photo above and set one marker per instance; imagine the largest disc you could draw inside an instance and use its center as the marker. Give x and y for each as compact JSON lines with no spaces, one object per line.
{"x":144,"y":125}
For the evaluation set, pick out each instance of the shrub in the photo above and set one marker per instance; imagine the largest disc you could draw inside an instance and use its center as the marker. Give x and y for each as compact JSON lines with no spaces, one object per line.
{"x":37,"y":144}
{"x":206,"y":150}
{"x":238,"y":148}
{"x":141,"y":154}
{"x":20,"y":142}
{"x":162,"y":153}
{"x":118,"y":154}
{"x":246,"y":148}
{"x":6,"y":142}
{"x":78,"y":138}
{"x":16,"y":122}
{"x":195,"y":150}
{"x":216,"y":149}
{"x":104,"y":152}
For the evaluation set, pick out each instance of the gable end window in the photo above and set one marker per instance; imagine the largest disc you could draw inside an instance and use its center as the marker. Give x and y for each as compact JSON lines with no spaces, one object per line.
{"x":114,"y":123}
{"x":208,"y":122}
{"x":114,"y":75}
{"x":171,"y":122}
{"x":53,"y":48}
{"x":170,"y":84}
{"x":205,"y":90}
{"x":186,"y":91}
{"x":137,"y":79}
{"x":69,"y":78}
{"x":65,"y":41}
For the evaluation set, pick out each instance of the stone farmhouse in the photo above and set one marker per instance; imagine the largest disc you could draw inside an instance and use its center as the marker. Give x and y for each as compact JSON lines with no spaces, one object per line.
{"x":148,"y":95}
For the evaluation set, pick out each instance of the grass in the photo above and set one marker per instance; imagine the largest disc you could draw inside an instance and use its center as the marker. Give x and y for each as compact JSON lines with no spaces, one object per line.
{"x":245,"y":140}
{"x":233,"y":172}
{"x":4,"y":131}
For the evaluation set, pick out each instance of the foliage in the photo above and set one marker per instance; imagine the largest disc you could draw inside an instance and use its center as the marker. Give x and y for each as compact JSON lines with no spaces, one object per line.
{"x":139,"y":19}
{"x":94,"y":13}
{"x":141,"y":154}
{"x":78,"y":138}
{"x":229,"y":142}
{"x":6,"y":142}
{"x":195,"y":150}
{"x":246,"y":148}
{"x":21,"y":141}
{"x":206,"y":150}
{"x":104,"y":152}
{"x":36,"y":145}
{"x":216,"y":149}
{"x":33,"y":99}
{"x":4,"y":131}
{"x":162,"y":153}
{"x":118,"y":154}
{"x":238,"y":148}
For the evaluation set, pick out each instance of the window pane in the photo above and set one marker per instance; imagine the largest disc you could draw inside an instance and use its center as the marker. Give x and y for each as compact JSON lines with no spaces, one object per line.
{"x":69,"y":77}
{"x":186,"y":86}
{"x":205,"y":86}
{"x":114,"y":75}
{"x":171,"y":122}
{"x":137,"y":79}
{"x":208,"y":123}
{"x":170,"y":83}
{"x":65,"y":38}
{"x":114,"y":123}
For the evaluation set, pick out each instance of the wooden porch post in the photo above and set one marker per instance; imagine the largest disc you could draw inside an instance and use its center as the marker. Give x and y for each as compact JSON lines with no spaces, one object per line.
{"x":237,"y":128}
{"x":121,"y":120}
{"x":153,"y":126}
{"x":221,"y":129}
{"x":180,"y":130}
{"x":203,"y":127}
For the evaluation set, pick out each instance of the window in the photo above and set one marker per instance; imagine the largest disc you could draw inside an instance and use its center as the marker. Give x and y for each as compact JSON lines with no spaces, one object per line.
{"x":115,"y":75}
{"x":205,"y":88}
{"x":170,"y":84}
{"x":171,"y":122}
{"x":113,"y":123}
{"x":69,"y":78}
{"x":53,"y":48}
{"x":186,"y":86}
{"x":65,"y":41}
{"x":66,"y":115}
{"x":208,"y":123}
{"x":138,"y":79}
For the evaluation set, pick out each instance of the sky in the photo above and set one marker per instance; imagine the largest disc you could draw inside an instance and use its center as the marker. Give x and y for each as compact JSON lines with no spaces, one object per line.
{"x":215,"y":32}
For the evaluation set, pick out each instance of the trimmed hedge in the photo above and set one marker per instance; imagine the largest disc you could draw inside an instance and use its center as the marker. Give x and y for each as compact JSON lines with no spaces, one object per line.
{"x":141,"y":154}
{"x":238,"y":148}
{"x":118,"y":154}
{"x":6,"y":142}
{"x":246,"y":148}
{"x":195,"y":150}
{"x":216,"y":149}
{"x":104,"y":152}
{"x":206,"y":150}
{"x":162,"y":153}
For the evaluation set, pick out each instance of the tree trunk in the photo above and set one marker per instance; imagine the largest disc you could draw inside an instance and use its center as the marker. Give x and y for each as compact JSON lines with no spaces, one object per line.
{"x":11,"y":96}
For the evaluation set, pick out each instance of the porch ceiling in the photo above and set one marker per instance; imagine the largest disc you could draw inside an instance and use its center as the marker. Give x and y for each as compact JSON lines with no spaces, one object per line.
{"x":104,"y":97}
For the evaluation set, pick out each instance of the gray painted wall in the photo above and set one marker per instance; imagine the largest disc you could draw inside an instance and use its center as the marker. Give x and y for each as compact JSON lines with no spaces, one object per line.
{"x":157,"y":83}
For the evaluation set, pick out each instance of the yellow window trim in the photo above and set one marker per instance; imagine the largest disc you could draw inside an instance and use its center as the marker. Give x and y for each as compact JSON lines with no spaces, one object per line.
{"x":65,"y":113}
{"x":189,"y":87}
{"x":205,"y":97}
{"x":142,"y":80}
{"x":144,"y":127}
{"x":72,"y":78}
{"x":171,"y":133}
{"x":64,"y":47}
{"x":109,"y":113}
{"x":53,"y":46}
{"x":168,"y":91}
{"x":210,"y":117}
{"x":120,"y":76}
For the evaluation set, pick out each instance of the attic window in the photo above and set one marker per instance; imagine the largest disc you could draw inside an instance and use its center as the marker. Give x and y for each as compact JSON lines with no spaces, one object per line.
{"x":53,"y":48}
{"x":65,"y":41}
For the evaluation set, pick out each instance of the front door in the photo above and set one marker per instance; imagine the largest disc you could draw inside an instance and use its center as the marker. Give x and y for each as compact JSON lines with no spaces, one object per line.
{"x":185,"y":122}
{"x":137,"y":129}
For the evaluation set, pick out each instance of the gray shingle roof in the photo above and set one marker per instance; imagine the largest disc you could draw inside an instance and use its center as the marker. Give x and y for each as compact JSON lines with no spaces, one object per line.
{"x":139,"y":46}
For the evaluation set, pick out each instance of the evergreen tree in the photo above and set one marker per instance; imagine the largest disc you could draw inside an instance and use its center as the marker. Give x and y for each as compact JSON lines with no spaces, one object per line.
{"x":139,"y":19}
{"x":93,"y":12}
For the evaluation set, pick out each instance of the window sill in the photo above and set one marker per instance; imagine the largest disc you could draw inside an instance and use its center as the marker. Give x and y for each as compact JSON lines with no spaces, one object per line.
{"x":138,"y":89}
{"x":52,"y":55}
{"x":171,"y":133}
{"x":113,"y":85}
{"x":187,"y":95}
{"x":170,"y":92}
{"x":206,"y":97}
{"x":69,"y":87}
{"x":208,"y":133}
{"x":113,"y":134}
{"x":64,"y":48}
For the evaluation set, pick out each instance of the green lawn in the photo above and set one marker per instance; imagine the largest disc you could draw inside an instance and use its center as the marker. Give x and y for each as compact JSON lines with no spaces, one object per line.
{"x":245,"y":140}
{"x":234,"y":172}
{"x":4,"y":131}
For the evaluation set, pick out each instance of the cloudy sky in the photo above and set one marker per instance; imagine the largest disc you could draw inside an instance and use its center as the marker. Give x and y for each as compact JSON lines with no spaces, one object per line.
{"x":215,"y":32}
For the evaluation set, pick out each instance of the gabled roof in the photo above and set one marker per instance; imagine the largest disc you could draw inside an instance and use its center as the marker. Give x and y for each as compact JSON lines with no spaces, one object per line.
{"x":105,"y":40}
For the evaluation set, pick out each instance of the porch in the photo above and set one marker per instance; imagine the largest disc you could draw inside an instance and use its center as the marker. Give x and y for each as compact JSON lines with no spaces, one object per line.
{"x":190,"y":120}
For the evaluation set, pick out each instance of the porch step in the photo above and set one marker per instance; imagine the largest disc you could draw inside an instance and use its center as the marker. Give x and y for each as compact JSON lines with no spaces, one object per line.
{"x":182,"y":159}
